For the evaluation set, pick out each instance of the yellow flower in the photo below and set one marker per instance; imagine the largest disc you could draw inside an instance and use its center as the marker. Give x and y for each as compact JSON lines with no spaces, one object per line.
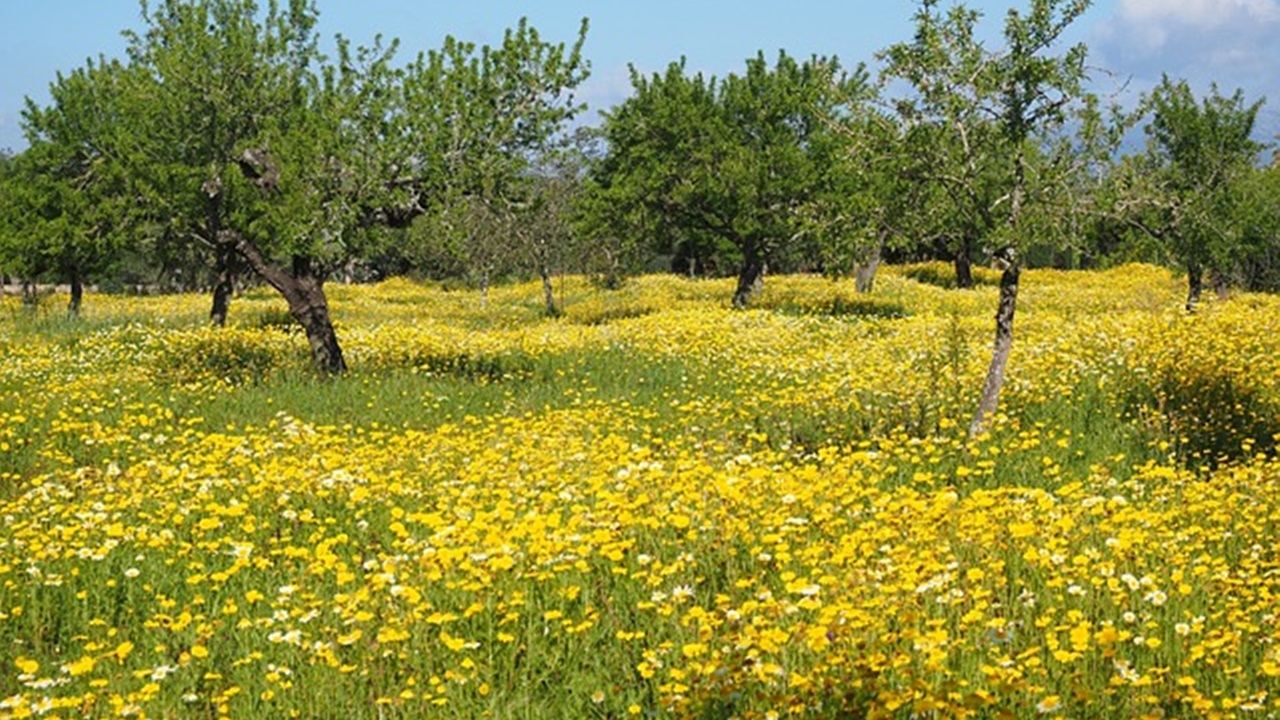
{"x":389,"y":634}
{"x":79,"y":667}
{"x":1080,"y":637}
{"x":1050,"y":704}
{"x":1107,"y":636}
{"x":455,"y":644}
{"x":122,"y":651}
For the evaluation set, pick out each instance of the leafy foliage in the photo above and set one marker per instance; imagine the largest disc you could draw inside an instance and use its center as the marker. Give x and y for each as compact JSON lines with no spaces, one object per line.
{"x":715,"y":166}
{"x":66,"y":197}
{"x":984,"y":119}
{"x":234,"y":133}
{"x":1189,"y":191}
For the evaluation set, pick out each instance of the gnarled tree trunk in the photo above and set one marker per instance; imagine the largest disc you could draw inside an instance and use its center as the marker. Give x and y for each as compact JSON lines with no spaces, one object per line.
{"x":548,"y":293}
{"x":29,"y":298}
{"x":1218,"y":279}
{"x":864,"y":271}
{"x":964,"y":265}
{"x":303,"y":289}
{"x":301,"y":286}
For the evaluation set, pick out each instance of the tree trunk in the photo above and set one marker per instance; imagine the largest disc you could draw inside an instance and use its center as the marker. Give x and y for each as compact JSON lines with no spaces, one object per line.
{"x":303,"y":289}
{"x":964,"y":265}
{"x":313,"y":314}
{"x":752,"y":274}
{"x":484,"y":289}
{"x":224,"y":285}
{"x":548,"y":293}
{"x":29,"y":299}
{"x":1219,"y":281}
{"x":77,"y":293}
{"x":1000,"y":352}
{"x":1195,"y":286}
{"x":613,"y":272}
{"x":224,"y":279}
{"x":864,"y":273}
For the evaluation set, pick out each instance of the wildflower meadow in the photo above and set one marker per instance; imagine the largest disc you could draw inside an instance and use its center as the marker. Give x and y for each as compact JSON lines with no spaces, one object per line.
{"x":651,"y":506}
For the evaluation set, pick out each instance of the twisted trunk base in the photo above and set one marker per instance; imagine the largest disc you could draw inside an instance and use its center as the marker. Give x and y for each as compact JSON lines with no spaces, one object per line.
{"x":964,"y":267}
{"x":1195,"y":287}
{"x":303,"y":289}
{"x":864,"y":272}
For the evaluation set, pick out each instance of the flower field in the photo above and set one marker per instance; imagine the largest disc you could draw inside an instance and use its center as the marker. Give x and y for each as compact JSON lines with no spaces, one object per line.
{"x":650,"y":507}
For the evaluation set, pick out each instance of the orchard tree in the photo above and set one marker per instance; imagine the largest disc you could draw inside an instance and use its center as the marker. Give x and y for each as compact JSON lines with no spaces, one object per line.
{"x":527,"y":230}
{"x":213,"y":76}
{"x":542,"y":228}
{"x":1189,"y":194}
{"x":462,"y":238}
{"x":243,"y":139}
{"x":985,"y":112}
{"x":953,"y":144}
{"x":66,"y":197}
{"x":719,"y":161}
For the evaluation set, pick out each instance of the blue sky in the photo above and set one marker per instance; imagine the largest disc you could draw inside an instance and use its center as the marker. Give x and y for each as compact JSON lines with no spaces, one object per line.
{"x":1235,"y":42}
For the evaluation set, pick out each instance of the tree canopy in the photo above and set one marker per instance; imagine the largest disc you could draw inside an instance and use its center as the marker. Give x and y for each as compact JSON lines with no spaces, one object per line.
{"x":1190,"y":189}
{"x":695,"y":160}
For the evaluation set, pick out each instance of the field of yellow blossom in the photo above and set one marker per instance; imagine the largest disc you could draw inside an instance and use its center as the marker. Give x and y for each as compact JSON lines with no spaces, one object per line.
{"x":650,"y":507}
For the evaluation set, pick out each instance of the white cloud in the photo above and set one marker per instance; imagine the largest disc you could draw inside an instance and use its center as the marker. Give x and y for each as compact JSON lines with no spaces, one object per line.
{"x":1199,"y":13}
{"x":1235,"y":43}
